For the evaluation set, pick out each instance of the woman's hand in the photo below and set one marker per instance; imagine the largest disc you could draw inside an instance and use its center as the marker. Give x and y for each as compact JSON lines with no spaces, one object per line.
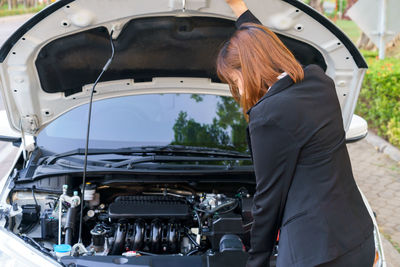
{"x":238,"y":6}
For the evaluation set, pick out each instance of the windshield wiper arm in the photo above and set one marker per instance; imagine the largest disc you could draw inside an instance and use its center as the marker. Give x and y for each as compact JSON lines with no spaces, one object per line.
{"x":159,"y":158}
{"x":149,"y":149}
{"x":79,"y":151}
{"x":199,"y":150}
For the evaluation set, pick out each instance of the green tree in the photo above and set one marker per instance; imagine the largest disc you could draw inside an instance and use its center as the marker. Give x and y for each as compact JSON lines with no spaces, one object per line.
{"x":227,"y":130}
{"x":229,"y":114}
{"x":188,"y":132}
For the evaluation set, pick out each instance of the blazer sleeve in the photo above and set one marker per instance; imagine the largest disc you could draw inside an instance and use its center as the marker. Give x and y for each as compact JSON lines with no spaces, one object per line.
{"x":247,"y":16}
{"x":275,"y":153}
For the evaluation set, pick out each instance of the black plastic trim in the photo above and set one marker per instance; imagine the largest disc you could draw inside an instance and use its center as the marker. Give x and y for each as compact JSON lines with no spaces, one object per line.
{"x":357,"y":138}
{"x":358,"y":58}
{"x":4,"y":138}
{"x":355,"y":53}
{"x":16,"y":141}
{"x":13,"y":39}
{"x":62,"y":64}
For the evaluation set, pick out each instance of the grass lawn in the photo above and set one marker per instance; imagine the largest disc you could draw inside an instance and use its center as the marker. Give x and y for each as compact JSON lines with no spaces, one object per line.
{"x":350,"y":28}
{"x":20,"y":10}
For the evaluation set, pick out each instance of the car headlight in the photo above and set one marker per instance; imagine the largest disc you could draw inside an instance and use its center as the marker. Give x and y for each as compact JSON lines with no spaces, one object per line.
{"x":15,"y":252}
{"x":379,"y":256}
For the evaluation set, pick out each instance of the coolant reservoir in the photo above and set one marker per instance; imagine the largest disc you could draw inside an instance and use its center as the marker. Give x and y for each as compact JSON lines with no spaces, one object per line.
{"x":62,"y":250}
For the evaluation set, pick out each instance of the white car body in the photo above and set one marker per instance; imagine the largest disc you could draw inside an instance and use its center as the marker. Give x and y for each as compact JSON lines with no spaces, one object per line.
{"x":30,"y":109}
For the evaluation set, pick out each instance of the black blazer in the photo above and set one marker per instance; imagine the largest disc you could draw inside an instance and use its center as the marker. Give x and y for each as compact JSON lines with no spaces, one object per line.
{"x":305,"y":186}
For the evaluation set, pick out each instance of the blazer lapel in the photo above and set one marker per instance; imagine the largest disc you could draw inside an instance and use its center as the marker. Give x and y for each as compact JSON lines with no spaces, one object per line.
{"x":277,"y":87}
{"x":249,"y":141}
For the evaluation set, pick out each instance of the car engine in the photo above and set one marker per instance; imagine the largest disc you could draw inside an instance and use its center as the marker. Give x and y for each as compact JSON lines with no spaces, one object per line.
{"x":150,"y":219}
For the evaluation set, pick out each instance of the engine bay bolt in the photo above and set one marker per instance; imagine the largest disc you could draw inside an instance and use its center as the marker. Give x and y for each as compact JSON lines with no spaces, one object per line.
{"x":210,"y":252}
{"x":90,"y":213}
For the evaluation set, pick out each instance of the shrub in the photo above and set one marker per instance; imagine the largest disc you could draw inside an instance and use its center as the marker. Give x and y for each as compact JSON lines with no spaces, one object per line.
{"x":20,"y":10}
{"x":379,"y":101}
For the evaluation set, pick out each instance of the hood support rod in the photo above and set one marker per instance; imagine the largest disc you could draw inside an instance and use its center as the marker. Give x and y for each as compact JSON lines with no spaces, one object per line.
{"x":87,"y":137}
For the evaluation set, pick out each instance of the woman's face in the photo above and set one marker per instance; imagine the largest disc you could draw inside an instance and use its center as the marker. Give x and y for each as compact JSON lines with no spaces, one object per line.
{"x":237,"y":77}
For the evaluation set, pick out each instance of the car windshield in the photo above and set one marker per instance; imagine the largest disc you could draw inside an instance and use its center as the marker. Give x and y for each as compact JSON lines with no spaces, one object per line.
{"x":200,"y":120}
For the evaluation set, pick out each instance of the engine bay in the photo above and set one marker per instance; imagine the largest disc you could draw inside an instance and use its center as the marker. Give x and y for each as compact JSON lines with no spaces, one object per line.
{"x":132,"y":220}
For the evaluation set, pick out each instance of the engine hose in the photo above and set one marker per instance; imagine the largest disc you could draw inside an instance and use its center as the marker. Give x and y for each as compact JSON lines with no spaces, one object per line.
{"x":234,"y":206}
{"x":192,"y":252}
{"x":70,"y":225}
{"x":208,"y":213}
{"x":226,"y":204}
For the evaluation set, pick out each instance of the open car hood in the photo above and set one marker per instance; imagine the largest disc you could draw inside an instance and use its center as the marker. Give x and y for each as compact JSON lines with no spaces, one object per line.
{"x":48,"y":66}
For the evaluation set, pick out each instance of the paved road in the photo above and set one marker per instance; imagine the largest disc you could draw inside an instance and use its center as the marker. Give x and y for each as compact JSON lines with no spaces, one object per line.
{"x":378,"y":176}
{"x":7,"y":155}
{"x":7,"y":26}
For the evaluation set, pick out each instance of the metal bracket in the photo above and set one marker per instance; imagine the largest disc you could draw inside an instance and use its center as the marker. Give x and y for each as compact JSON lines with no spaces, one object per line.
{"x":79,"y":248}
{"x":30,"y":123}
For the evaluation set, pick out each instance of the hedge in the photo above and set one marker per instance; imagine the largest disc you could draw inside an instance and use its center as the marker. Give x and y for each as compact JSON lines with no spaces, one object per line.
{"x":379,"y":101}
{"x":4,"y":12}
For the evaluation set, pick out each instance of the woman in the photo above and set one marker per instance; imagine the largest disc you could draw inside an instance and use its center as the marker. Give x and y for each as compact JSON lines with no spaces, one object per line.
{"x":304,"y":183}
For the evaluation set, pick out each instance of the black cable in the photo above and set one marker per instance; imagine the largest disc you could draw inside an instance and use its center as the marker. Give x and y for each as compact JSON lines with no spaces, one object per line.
{"x":233,"y":202}
{"x":32,"y":242}
{"x":198,"y":220}
{"x":192,"y":239}
{"x":88,"y":132}
{"x":7,"y":221}
{"x":192,"y":252}
{"x":217,"y":210}
{"x":33,"y":195}
{"x":228,"y":210}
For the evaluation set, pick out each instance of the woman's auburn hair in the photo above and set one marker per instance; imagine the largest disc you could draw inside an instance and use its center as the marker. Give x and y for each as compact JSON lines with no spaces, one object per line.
{"x":261,"y":57}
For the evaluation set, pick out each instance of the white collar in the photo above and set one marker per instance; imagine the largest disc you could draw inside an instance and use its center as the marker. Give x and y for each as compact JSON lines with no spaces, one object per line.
{"x":283,"y":74}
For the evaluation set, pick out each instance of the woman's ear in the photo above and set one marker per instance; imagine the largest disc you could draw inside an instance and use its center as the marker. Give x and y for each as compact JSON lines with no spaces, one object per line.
{"x":237,"y":77}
